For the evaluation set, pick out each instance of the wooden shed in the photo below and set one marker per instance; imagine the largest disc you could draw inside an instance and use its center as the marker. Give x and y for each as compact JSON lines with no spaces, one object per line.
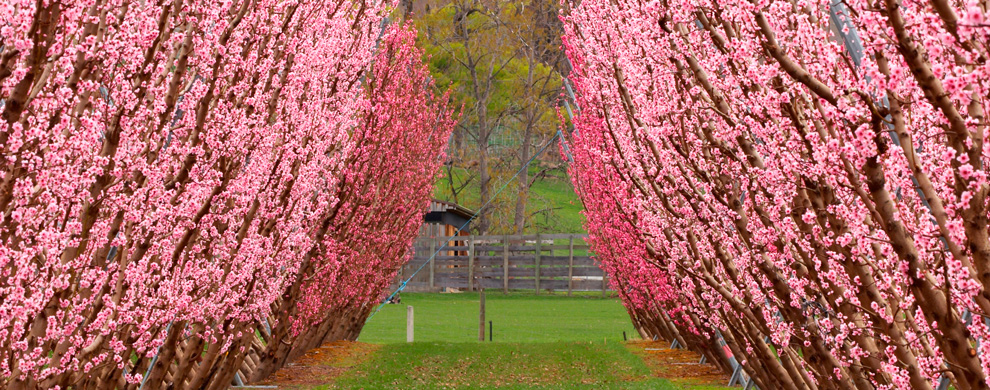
{"x":444,"y":218}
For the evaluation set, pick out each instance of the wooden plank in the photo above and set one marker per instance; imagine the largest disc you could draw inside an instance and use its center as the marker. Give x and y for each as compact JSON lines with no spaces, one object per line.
{"x":570,"y":268}
{"x":522,"y":263}
{"x":531,"y":258}
{"x":579,"y":261}
{"x":505,"y":267}
{"x":588,"y":271}
{"x":490,"y":262}
{"x":563,"y":247}
{"x":538,"y":264}
{"x":442,"y":239}
{"x":528,"y":237}
{"x":470,"y":263}
{"x":488,"y":238}
{"x":463,"y":271}
{"x":554,"y":260}
{"x":587,"y":285}
{"x":522,"y":248}
{"x":488,"y":248}
{"x":522,"y":284}
{"x":554,"y":272}
{"x":491,"y":284}
{"x":459,"y":263}
{"x":444,"y":281}
{"x":445,"y":278}
{"x":489,"y":273}
{"x":553,"y":284}
{"x":511,"y":272}
{"x":565,"y":236}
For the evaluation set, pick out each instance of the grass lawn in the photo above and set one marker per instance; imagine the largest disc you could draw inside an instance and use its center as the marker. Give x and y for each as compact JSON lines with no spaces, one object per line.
{"x":517,"y":318}
{"x":559,"y":365}
{"x":546,"y":341}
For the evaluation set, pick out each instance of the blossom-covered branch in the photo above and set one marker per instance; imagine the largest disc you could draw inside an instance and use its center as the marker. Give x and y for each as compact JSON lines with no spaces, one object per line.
{"x":823,"y":214}
{"x":182,"y":182}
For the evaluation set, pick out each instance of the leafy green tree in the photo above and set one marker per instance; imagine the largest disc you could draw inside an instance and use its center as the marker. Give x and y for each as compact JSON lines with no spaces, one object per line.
{"x":500,"y":59}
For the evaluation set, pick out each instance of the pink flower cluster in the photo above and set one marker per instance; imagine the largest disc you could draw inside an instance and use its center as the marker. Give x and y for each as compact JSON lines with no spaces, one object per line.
{"x":193,"y":191}
{"x":748,"y":180}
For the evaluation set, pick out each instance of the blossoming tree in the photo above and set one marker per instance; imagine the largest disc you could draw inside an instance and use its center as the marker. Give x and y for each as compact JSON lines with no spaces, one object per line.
{"x":180,"y":177}
{"x":819,"y":205}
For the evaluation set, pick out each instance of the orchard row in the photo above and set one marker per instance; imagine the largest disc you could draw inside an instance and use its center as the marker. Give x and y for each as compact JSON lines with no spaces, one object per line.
{"x":195,"y":192}
{"x":805,"y":180}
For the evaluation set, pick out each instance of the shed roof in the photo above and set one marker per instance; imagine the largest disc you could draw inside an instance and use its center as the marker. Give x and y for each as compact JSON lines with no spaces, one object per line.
{"x":448,"y":213}
{"x":437,"y":205}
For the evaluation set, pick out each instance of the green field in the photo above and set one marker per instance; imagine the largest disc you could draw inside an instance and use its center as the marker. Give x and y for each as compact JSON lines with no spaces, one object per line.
{"x":561,"y":365}
{"x":546,"y":341}
{"x":516,"y":318}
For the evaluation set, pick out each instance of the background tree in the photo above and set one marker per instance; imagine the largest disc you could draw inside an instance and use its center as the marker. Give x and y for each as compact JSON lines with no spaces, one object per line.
{"x":501,"y":60}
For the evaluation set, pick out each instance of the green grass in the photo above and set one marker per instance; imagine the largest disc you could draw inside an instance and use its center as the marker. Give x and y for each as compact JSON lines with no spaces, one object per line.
{"x":546,"y":341}
{"x":553,"y":191}
{"x":517,"y":317}
{"x":559,"y":365}
{"x":558,"y":191}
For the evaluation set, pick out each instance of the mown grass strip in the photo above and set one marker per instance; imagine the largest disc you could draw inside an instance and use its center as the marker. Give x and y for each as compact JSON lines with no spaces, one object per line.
{"x":560,"y":365}
{"x":517,"y":317}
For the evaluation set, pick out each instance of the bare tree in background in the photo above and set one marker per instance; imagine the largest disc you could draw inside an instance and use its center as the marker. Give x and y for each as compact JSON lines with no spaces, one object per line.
{"x":500,"y":58}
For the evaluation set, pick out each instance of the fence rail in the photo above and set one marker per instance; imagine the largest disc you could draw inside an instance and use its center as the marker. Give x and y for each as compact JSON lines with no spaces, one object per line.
{"x":538,"y":262}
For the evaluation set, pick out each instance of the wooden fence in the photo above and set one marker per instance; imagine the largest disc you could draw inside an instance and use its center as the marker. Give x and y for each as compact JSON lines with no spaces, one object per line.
{"x":531,"y":262}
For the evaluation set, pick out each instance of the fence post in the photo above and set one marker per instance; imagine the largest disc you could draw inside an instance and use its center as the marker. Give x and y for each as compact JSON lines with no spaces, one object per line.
{"x":433,"y":265}
{"x":481,"y":323}
{"x":538,"y":250}
{"x":409,"y":324}
{"x":505,"y":264}
{"x":570,"y":266}
{"x":470,"y":263}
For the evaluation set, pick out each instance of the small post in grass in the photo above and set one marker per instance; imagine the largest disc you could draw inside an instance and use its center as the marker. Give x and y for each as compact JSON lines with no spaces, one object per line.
{"x":409,"y":324}
{"x":481,"y":323}
{"x":490,"y":331}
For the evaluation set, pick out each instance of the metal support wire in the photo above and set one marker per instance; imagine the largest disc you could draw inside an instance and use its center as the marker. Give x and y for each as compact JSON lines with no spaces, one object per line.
{"x":570,"y":115}
{"x":476,"y":213}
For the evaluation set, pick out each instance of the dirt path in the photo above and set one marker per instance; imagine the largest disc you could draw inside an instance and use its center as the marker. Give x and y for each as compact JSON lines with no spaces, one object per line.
{"x":322,"y":365}
{"x":679,"y":366}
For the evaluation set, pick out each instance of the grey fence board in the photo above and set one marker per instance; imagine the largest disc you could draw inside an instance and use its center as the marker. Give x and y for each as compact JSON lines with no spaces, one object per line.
{"x":522,"y":284}
{"x":540,"y":262}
